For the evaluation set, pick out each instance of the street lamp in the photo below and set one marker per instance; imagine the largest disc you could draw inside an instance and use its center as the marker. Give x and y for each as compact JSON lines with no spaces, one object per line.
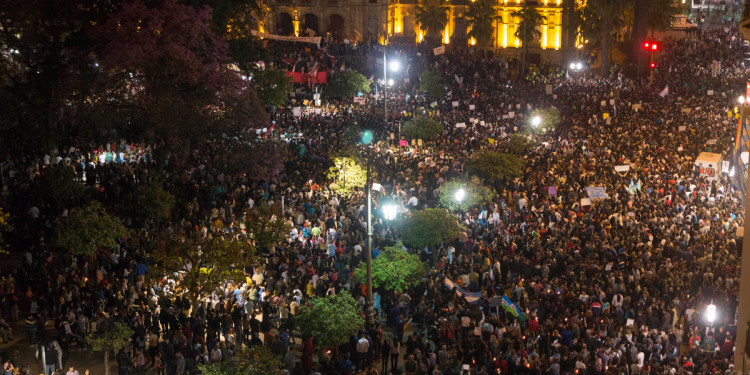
{"x":536,"y":121}
{"x":711,"y":313}
{"x":459,"y":195}
{"x":369,"y":307}
{"x":741,"y":99}
{"x":394,"y":65}
{"x":389,"y":211}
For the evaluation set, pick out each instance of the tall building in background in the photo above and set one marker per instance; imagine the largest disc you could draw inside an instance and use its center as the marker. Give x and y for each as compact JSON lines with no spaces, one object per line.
{"x":358,"y":20}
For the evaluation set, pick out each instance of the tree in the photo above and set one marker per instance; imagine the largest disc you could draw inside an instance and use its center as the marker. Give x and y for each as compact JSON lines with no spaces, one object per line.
{"x":59,"y":184}
{"x":608,"y":13}
{"x":156,"y":203}
{"x":330,"y":320}
{"x":475,"y":194}
{"x":494,"y":167}
{"x":481,"y":16}
{"x":255,"y":360}
{"x":88,"y":229}
{"x":265,"y":227}
{"x":518,"y":144}
{"x":429,"y":227}
{"x":202,"y":262}
{"x":660,"y":15}
{"x":432,"y":16}
{"x":345,"y":85}
{"x":346,"y":175}
{"x":110,"y":336}
{"x":432,"y":84}
{"x":424,"y":128}
{"x":163,"y":66}
{"x":393,"y":270}
{"x":529,"y":17}
{"x":550,"y":119}
{"x":272,"y":85}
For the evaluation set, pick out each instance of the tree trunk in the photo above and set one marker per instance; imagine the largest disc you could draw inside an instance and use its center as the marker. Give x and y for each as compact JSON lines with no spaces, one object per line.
{"x":605,"y":49}
{"x":106,"y":362}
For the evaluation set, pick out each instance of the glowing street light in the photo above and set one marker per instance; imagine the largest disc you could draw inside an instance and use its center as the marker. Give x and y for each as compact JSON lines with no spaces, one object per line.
{"x":460,"y":195}
{"x":390,"y":82}
{"x":711,"y":313}
{"x":536,"y":121}
{"x":741,"y":99}
{"x":395,"y":65}
{"x":390,"y":211}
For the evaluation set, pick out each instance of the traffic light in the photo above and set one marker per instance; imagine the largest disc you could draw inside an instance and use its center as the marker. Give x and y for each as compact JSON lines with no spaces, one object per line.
{"x":652,"y":66}
{"x":651,"y":46}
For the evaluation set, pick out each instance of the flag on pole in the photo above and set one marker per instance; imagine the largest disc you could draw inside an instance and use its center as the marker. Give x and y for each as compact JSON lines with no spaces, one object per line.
{"x":664,"y":92}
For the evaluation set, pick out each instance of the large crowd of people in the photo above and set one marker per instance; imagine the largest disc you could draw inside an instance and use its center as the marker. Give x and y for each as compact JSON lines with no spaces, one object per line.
{"x":614,"y":286}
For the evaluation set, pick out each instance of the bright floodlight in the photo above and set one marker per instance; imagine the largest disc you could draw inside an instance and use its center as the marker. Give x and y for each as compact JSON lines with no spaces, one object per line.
{"x":711,"y":313}
{"x":741,"y":99}
{"x":389,"y":211}
{"x":395,"y":65}
{"x":579,"y":66}
{"x":390,"y":82}
{"x":572,"y":66}
{"x":460,"y":194}
{"x":536,"y":121}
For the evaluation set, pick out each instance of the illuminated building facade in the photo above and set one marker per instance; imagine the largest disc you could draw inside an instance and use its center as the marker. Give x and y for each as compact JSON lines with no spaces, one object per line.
{"x":364,"y":19}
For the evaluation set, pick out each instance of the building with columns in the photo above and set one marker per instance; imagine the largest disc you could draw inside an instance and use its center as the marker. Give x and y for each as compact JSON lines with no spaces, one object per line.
{"x":358,"y":20}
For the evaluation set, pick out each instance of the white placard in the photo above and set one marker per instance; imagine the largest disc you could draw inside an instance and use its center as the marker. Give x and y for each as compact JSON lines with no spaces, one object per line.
{"x":585,"y":201}
{"x":612,"y":101}
{"x":711,"y":142}
{"x":461,"y":125}
{"x":511,"y":114}
{"x":710,"y":92}
{"x":518,"y":106}
{"x":548,"y":89}
{"x":406,"y":80}
{"x":682,"y":128}
{"x":554,"y":96}
{"x":622,"y":168}
{"x":455,"y":104}
{"x":471,"y":107}
{"x":604,"y":102}
{"x":297,"y":111}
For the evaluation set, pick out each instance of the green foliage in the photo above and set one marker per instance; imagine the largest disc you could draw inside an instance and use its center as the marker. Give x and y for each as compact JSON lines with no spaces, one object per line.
{"x":59,"y":184}
{"x":272,"y":85}
{"x":88,"y":229}
{"x":213,"y":260}
{"x":345,"y":85}
{"x":346,"y":175}
{"x":424,"y":128}
{"x":476,"y":194}
{"x":156,"y":203}
{"x":518,"y":144}
{"x":494,"y":167}
{"x":246,"y":52}
{"x":432,"y":16}
{"x":550,"y":119}
{"x":481,"y":15}
{"x":257,"y":360}
{"x":529,"y":17}
{"x":110,"y":335}
{"x":660,"y":15}
{"x":430,"y":227}
{"x":265,"y":227}
{"x":393,"y":269}
{"x":604,"y":16}
{"x":432,"y":84}
{"x":331,"y":320}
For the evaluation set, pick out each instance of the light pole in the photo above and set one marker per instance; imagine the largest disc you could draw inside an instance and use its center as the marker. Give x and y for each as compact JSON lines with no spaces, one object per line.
{"x":710,"y":316}
{"x":395,"y":66}
{"x":369,"y":307}
{"x":459,"y":196}
{"x":390,"y":211}
{"x":536,"y":121}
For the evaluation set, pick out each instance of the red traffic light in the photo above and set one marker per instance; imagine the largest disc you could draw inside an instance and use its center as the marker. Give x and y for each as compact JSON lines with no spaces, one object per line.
{"x":652,"y":65}
{"x":651,"y":46}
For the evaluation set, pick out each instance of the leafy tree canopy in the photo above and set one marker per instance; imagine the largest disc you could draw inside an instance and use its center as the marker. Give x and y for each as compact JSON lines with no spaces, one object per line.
{"x":432,"y":16}
{"x":265,"y":227}
{"x":256,"y":360}
{"x":518,"y":144}
{"x":59,"y":184}
{"x":206,"y":262}
{"x":88,"y":229}
{"x":475,"y":194}
{"x":331,"y":320}
{"x":393,"y":269}
{"x":346,"y":175}
{"x":432,"y":84}
{"x":494,"y":167}
{"x":430,"y":227}
{"x":424,"y":128}
{"x":156,"y":202}
{"x":272,"y":85}
{"x":481,"y":16}
{"x":345,"y":85}
{"x":550,"y":119}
